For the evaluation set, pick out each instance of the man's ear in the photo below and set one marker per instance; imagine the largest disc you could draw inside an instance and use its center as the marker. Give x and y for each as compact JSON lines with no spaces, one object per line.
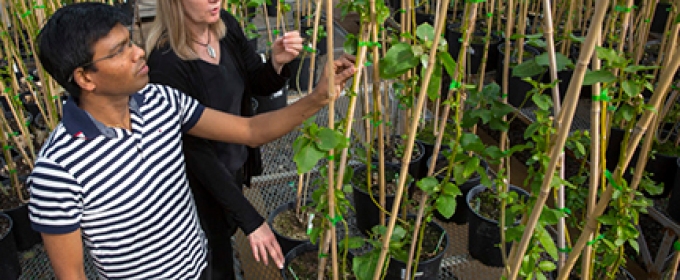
{"x":82,"y":78}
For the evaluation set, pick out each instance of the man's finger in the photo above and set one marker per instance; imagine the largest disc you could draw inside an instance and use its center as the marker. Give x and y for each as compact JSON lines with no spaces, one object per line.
{"x":277,"y":255}
{"x":255,"y":252}
{"x":263,"y":252}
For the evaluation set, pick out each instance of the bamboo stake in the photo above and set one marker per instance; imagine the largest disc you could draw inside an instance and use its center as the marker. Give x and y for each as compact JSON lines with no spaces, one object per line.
{"x":548,"y":33}
{"x":674,"y":264}
{"x":409,"y":145}
{"x":565,"y":118}
{"x":595,"y":156}
{"x":331,"y":123}
{"x":660,"y":93}
{"x":315,"y":32}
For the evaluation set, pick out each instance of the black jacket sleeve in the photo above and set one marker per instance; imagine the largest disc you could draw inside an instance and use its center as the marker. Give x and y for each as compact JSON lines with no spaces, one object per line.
{"x":199,"y":155}
{"x":261,"y":78}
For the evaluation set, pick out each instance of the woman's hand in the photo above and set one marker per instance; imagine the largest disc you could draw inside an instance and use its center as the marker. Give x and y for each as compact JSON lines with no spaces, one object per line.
{"x":263,"y":244}
{"x":285,"y":49}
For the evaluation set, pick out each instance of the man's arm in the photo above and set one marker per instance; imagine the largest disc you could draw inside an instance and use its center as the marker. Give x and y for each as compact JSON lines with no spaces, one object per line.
{"x":267,"y":127}
{"x":66,"y":254}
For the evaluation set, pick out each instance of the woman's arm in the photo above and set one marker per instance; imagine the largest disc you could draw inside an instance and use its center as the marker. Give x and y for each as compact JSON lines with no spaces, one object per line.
{"x":66,"y":254}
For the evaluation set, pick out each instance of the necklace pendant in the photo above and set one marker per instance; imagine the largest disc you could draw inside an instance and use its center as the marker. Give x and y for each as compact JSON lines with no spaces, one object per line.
{"x":211,"y":52}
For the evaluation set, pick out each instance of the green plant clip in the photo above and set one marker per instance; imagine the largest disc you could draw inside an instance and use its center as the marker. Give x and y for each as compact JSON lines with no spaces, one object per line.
{"x":611,"y":108}
{"x":454,"y":85}
{"x":292,"y":184}
{"x":402,"y":11}
{"x":12,"y":171}
{"x":6,"y":90}
{"x":16,"y":97}
{"x":564,"y":250}
{"x":603,"y":96}
{"x":55,"y":97}
{"x":27,"y":13}
{"x":489,"y":14}
{"x":363,"y":44}
{"x":322,"y":255}
{"x":565,"y":210}
{"x":331,"y":157}
{"x":335,"y":220}
{"x":647,"y":20}
{"x":27,"y":123}
{"x":476,"y":1}
{"x":611,"y":179}
{"x":39,"y":6}
{"x":15,"y":133}
{"x":275,"y":32}
{"x":309,"y":49}
{"x":376,"y":123}
{"x":599,"y":237}
{"x":6,"y":147}
{"x":368,"y":64}
{"x":676,"y":246}
{"x":504,"y":95}
{"x":622,"y":9}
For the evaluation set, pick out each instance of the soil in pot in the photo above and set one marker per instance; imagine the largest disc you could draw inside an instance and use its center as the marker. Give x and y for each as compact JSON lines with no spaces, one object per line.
{"x":9,"y":260}
{"x":290,"y":230}
{"x":435,"y":242}
{"x":303,"y":263}
{"x":395,"y":151}
{"x":484,"y":229}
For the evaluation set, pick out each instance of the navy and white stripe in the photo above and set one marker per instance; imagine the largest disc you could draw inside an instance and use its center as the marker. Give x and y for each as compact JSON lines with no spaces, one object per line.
{"x":126,"y":190}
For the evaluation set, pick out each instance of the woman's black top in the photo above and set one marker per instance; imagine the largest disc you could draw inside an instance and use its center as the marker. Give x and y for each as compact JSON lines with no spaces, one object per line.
{"x":226,"y":87}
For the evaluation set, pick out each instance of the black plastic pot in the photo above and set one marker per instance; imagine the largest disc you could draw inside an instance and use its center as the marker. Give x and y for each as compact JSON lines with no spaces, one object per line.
{"x":565,"y":76}
{"x":673,"y":208}
{"x":299,"y":68}
{"x":300,"y":250}
{"x":10,"y":268}
{"x":368,"y":213}
{"x":484,"y":234}
{"x":427,"y":269}
{"x":518,"y":88}
{"x":272,"y":102}
{"x":475,"y":51}
{"x":24,"y":236}
{"x":662,"y":166}
{"x":414,"y":166}
{"x":660,"y":17}
{"x":286,"y":243}
{"x":461,"y":216}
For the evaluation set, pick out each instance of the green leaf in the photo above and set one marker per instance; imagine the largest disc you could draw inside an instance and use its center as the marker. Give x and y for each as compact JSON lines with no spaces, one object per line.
{"x":446,"y":205}
{"x":363,"y":266}
{"x":448,"y":62}
{"x":610,"y":56}
{"x":450,"y":189}
{"x":428,"y":184}
{"x":398,"y":59}
{"x":608,"y":220}
{"x":350,"y":44}
{"x":425,"y":32}
{"x":471,"y":167}
{"x":528,"y":68}
{"x":398,"y":233}
{"x":547,"y":266}
{"x":631,"y":88}
{"x":562,"y":61}
{"x":633,"y":243}
{"x":471,"y":142}
{"x":542,"y":101}
{"x":434,"y":87}
{"x":307,"y":157}
{"x":599,"y":76}
{"x":637,"y":68}
{"x":547,"y":242}
{"x":355,"y":242}
{"x":326,"y":140}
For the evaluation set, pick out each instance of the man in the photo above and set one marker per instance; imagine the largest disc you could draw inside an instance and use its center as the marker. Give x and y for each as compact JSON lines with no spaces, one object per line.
{"x":112,"y":173}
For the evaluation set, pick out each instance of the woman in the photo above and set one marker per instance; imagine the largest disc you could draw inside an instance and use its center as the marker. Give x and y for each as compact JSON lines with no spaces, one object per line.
{"x":200,"y":49}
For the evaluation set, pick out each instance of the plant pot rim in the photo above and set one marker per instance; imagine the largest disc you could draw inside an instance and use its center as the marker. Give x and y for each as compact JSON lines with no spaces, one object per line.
{"x":476,"y":189}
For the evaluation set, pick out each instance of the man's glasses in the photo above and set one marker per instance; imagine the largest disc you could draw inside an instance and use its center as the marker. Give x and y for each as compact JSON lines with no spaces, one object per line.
{"x":120,"y":50}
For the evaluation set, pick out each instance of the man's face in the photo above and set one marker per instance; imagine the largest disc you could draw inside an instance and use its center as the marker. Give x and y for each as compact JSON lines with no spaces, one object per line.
{"x":121,"y":67}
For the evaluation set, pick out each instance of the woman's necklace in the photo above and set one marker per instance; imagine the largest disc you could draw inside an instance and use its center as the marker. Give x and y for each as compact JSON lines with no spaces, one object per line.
{"x":211,"y":51}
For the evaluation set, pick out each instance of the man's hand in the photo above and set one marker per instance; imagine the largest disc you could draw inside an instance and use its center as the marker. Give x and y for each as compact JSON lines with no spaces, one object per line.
{"x":263,"y":242}
{"x":285,"y":49}
{"x":343,"y":70}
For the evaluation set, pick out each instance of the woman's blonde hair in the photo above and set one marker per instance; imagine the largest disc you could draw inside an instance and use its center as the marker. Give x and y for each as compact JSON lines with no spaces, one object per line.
{"x":169,"y":27}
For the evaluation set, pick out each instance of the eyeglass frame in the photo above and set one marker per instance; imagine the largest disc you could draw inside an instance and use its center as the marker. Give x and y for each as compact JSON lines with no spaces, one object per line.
{"x":124,"y":47}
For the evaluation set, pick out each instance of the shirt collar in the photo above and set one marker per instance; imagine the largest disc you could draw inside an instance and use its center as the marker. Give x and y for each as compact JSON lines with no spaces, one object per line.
{"x":79,"y":123}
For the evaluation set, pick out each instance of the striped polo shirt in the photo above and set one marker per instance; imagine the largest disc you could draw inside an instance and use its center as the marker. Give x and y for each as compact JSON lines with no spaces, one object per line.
{"x":126,"y":190}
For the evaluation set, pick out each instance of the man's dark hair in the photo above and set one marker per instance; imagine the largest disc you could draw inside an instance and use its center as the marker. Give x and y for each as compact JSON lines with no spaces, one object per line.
{"x":67,"y":40}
